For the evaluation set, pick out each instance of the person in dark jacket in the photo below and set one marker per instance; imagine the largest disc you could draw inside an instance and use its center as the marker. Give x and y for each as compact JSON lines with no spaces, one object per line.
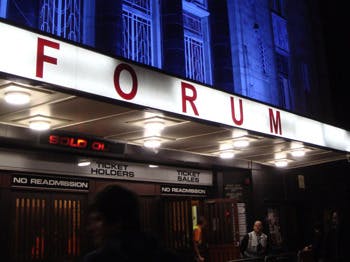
{"x":335,"y":242}
{"x":114,"y":224}
{"x":315,"y":248}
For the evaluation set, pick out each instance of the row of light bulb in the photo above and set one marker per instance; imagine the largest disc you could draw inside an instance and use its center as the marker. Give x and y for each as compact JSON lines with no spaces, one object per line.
{"x":152,"y":128}
{"x":227,"y":151}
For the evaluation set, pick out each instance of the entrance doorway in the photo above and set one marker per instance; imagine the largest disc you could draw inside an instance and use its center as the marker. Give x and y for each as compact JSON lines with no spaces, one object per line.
{"x":46,"y":226}
{"x":221,"y":234}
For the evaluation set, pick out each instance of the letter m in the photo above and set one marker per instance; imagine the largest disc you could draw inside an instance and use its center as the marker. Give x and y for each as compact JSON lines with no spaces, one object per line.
{"x":275,"y":122}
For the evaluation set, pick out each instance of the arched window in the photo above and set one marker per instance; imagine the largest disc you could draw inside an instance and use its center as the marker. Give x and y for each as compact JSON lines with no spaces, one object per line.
{"x":61,"y":18}
{"x":141,"y":31}
{"x":196,"y":36}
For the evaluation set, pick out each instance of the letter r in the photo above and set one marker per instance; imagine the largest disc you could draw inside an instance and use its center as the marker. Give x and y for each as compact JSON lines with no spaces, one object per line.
{"x":188,"y":98}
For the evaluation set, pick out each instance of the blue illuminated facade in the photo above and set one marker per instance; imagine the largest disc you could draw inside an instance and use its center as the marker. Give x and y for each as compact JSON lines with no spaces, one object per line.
{"x":261,"y":49}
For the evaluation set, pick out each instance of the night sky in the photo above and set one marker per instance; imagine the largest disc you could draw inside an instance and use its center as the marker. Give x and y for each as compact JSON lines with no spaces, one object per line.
{"x":336,"y":24}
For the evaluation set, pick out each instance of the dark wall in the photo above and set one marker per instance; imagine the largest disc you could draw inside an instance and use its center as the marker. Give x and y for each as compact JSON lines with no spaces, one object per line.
{"x":327,"y":188}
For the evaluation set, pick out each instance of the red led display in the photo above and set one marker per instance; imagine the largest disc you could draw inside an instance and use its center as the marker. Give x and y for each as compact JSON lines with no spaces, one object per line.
{"x":77,"y":143}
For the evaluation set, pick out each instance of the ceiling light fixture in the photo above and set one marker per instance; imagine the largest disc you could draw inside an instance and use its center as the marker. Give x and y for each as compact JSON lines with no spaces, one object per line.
{"x":226,"y":146}
{"x":17,"y":97}
{"x":241,"y":143}
{"x":298,"y":152}
{"x":154,"y":127}
{"x":227,"y":154}
{"x":39,"y":125}
{"x":152,"y":166}
{"x":153,"y":142}
{"x":281,"y":163}
{"x":84,"y":163}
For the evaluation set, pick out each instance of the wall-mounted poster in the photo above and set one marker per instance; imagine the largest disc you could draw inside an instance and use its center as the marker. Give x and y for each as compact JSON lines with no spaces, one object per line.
{"x":273,"y":221}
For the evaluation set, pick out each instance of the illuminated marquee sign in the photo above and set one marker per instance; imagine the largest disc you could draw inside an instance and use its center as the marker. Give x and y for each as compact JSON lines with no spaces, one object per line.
{"x":69,"y":141}
{"x":45,"y":59}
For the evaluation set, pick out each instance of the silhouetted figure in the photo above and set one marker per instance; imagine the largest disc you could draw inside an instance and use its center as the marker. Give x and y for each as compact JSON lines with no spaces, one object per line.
{"x":114,"y":224}
{"x":255,"y":244}
{"x":198,"y":244}
{"x":335,"y":241}
{"x":315,"y":248}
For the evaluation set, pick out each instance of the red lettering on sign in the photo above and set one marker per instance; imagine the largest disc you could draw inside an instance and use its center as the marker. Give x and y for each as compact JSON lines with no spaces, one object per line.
{"x":64,"y":141}
{"x":53,"y":140}
{"x":188,"y":98}
{"x":275,"y":122}
{"x":76,"y":142}
{"x":41,"y":57}
{"x":98,"y":146}
{"x":117,"y":72}
{"x":81,"y":143}
{"x":233,"y":112}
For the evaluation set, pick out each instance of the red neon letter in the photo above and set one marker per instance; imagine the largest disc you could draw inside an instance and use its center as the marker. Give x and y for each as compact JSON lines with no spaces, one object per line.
{"x":188,"y":98}
{"x":81,"y":143}
{"x":275,"y":123}
{"x":117,"y":72}
{"x":240,"y":121}
{"x":98,"y":146}
{"x":41,"y":57}
{"x":53,"y":139}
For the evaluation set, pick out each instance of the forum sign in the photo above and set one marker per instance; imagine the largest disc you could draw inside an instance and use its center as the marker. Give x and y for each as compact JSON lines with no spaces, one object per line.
{"x":34,"y":56}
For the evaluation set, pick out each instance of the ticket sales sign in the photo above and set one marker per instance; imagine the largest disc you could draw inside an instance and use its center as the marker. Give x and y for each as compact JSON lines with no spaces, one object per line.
{"x":46,"y":59}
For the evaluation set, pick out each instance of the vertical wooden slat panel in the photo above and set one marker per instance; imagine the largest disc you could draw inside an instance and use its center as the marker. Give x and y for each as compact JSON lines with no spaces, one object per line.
{"x":180,"y":218}
{"x":187,"y":228}
{"x":64,"y":226}
{"x":74,"y":229}
{"x":77,"y":228}
{"x":43,"y":221}
{"x":69,"y":227}
{"x":33,"y":227}
{"x":54,"y":228}
{"x":17,"y":224}
{"x":215,"y":216}
{"x":174,"y":223}
{"x":58,"y":229}
{"x":22,"y":230}
{"x":28,"y":242}
{"x":167,"y":224}
{"x":221,"y":222}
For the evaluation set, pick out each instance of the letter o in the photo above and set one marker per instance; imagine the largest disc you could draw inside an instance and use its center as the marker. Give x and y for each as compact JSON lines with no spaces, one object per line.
{"x":117,"y":72}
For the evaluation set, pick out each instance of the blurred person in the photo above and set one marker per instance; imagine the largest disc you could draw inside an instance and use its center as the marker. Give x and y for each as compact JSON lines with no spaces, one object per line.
{"x":198,"y":244}
{"x":335,"y":240}
{"x":255,"y":244}
{"x":114,"y":224}
{"x":315,"y":248}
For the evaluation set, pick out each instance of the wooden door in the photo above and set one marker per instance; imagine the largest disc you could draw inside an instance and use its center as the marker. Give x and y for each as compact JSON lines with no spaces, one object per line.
{"x":222,"y":229}
{"x":46,"y":226}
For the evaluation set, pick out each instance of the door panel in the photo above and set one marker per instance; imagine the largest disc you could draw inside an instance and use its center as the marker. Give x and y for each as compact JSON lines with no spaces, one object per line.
{"x":223,"y":234}
{"x":46,"y":226}
{"x":177,"y":223}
